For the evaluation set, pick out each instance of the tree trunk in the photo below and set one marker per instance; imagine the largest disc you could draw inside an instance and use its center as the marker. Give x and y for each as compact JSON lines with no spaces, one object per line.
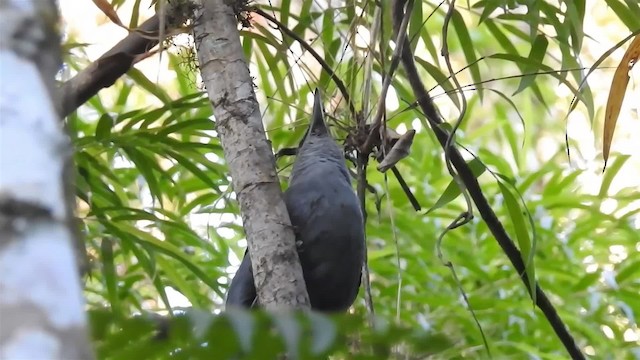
{"x":41,"y":306}
{"x":276,"y":266}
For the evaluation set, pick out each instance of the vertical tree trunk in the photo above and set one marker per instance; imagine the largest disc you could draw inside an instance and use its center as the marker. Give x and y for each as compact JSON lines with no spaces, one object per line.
{"x":276,"y":267}
{"x":41,"y":307}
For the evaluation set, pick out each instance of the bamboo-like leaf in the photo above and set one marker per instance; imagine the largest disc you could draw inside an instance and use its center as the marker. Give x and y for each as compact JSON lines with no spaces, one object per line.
{"x":144,"y":164}
{"x":488,"y":7}
{"x":501,"y":38}
{"x":123,"y":95}
{"x":610,"y":175}
{"x":110,"y":275}
{"x":616,"y":94}
{"x":184,"y":127}
{"x":180,"y":283}
{"x":175,"y":230}
{"x":328,"y":32}
{"x":285,"y":6}
{"x":415,"y":24}
{"x":103,"y":129}
{"x":594,"y":67}
{"x":575,"y":16}
{"x":628,"y":270}
{"x":536,"y":57}
{"x":144,"y":118}
{"x":97,"y":187}
{"x":202,"y":200}
{"x":453,"y":191}
{"x":441,"y":79}
{"x":467,"y":47}
{"x":135,"y":15}
{"x":149,"y":264}
{"x":139,"y":78}
{"x":109,"y":11}
{"x":629,"y":15}
{"x":527,"y":249}
{"x":193,"y":168}
{"x":164,"y":247}
{"x":541,"y":67}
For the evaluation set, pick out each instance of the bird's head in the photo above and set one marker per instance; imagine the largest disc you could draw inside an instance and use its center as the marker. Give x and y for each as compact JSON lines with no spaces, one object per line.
{"x":317,"y":126}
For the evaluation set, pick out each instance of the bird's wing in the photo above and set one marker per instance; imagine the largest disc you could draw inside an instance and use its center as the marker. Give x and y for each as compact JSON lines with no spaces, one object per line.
{"x":242,"y":291}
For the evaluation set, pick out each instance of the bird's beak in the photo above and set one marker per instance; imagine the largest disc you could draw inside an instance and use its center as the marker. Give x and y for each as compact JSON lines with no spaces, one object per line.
{"x":318,"y":126}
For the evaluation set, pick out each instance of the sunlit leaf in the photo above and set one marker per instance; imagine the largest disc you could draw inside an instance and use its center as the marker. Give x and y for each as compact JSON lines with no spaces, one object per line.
{"x":522,"y":235}
{"x":616,"y":94}
{"x":453,"y":191}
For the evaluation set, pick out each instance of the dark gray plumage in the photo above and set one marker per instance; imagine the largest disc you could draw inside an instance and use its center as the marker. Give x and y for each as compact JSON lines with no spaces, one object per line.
{"x":328,"y":223}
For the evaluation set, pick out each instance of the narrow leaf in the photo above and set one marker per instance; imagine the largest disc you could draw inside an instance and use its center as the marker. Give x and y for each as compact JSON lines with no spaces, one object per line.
{"x":536,"y":56}
{"x":467,"y":48}
{"x":109,"y":11}
{"x":522,"y":235}
{"x":453,"y":191}
{"x":110,"y":275}
{"x":442,"y":80}
{"x":616,"y":94}
{"x":103,"y":129}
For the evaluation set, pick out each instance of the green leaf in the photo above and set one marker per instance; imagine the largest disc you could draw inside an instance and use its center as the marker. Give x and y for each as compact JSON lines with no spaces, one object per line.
{"x":103,"y":129}
{"x":179,"y":282}
{"x":536,"y":57}
{"x":144,"y":164}
{"x":110,"y":275}
{"x":586,"y":281}
{"x":442,"y":81}
{"x":323,"y":333}
{"x":541,"y":67}
{"x":522,"y":235}
{"x":467,"y":47}
{"x":123,"y":95}
{"x":488,"y":8}
{"x":501,"y":38}
{"x":168,"y":249}
{"x":244,"y":326}
{"x":610,"y":174}
{"x":289,"y":328}
{"x":139,"y":78}
{"x":453,"y":191}
{"x":628,"y":16}
{"x":628,"y":269}
{"x":186,"y":127}
{"x":193,"y":168}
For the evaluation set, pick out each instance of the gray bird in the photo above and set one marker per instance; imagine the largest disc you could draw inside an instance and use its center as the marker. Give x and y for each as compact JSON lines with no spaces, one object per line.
{"x":328,"y":223}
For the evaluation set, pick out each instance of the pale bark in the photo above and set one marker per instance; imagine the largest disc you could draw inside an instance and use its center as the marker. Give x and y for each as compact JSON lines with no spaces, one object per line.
{"x":41,"y":306}
{"x":276,"y":267}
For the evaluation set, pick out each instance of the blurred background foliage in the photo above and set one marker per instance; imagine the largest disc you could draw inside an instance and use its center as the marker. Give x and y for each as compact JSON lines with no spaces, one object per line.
{"x":163,"y":233}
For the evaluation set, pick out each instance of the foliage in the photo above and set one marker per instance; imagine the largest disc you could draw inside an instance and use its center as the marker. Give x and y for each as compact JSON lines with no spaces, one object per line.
{"x":196,"y":334}
{"x":158,"y":212}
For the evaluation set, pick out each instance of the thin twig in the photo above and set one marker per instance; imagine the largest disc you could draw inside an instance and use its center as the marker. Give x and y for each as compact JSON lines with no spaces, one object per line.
{"x":366,"y":278}
{"x":395,"y":61}
{"x":339,"y":83}
{"x":362,"y":160}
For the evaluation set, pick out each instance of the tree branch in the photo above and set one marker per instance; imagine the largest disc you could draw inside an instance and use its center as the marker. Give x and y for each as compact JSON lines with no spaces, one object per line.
{"x":471,"y":183}
{"x":104,"y":72}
